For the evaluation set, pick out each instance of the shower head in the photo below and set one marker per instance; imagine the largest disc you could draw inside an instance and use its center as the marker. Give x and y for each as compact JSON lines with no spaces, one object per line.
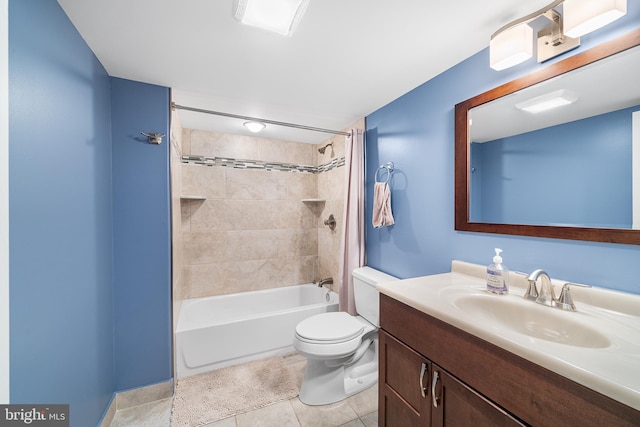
{"x":323,"y":149}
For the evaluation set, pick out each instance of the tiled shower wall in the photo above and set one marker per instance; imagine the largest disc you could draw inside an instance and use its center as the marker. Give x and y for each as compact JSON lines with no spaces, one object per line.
{"x":252,"y":230}
{"x":330,"y":188}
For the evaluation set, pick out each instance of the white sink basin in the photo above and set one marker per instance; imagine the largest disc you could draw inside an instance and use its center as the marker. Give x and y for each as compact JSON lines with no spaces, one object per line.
{"x":528,"y":318}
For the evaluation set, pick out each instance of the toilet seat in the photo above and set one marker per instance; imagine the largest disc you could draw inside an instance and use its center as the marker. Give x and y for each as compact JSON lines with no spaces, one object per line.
{"x":330,"y":335}
{"x":329,"y":328}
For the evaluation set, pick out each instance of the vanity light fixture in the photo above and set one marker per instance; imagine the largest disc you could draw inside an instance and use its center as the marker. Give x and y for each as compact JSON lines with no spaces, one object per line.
{"x":547,"y":101}
{"x":513,"y":43}
{"x":254,"y":126}
{"x":585,"y":16}
{"x":280,"y":16}
{"x":511,"y":46}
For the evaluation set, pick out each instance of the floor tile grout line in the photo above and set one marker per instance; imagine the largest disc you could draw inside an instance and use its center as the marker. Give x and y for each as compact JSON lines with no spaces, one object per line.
{"x":294,"y":411}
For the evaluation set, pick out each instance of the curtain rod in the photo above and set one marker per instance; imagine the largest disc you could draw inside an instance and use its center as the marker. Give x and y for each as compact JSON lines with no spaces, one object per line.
{"x":175,"y":106}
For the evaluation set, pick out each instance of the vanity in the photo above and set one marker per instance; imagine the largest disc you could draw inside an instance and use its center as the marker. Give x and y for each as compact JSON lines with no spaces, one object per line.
{"x":453,"y":354}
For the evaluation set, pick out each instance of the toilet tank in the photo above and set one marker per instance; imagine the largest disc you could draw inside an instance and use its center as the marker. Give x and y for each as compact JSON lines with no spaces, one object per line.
{"x":365,"y":293}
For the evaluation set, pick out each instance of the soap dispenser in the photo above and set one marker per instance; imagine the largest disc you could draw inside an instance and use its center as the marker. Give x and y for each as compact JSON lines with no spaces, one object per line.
{"x":497,"y":275}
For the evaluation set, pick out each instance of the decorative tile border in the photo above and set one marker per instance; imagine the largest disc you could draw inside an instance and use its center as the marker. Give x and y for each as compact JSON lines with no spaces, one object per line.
{"x":256,"y":164}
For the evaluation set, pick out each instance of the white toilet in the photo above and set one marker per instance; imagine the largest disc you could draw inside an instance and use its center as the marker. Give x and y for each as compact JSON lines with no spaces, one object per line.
{"x":342,"y":350}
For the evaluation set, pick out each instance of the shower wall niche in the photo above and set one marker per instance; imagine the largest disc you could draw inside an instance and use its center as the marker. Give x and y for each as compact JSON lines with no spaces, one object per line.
{"x":246,"y":228}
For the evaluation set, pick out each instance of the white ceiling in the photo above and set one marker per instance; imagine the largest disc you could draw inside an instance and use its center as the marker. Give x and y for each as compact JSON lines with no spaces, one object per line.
{"x":346,"y":59}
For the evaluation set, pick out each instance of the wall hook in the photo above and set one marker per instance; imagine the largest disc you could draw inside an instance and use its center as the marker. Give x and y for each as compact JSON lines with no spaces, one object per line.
{"x":153,"y":138}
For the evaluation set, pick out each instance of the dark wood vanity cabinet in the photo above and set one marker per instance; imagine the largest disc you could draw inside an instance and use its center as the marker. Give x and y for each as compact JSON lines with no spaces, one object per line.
{"x":404,"y":391}
{"x":477,"y":383}
{"x":416,"y":392}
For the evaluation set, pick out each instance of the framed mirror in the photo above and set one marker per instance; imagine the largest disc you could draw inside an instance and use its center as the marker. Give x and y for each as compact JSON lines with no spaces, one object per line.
{"x":567,"y":172}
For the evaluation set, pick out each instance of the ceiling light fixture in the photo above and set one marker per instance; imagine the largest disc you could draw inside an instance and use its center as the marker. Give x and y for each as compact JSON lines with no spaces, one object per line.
{"x":280,"y":16}
{"x":254,"y":126}
{"x":513,"y":43}
{"x":548,"y":101}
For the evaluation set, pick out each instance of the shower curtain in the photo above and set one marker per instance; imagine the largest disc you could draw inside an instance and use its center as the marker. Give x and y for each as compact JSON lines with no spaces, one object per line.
{"x":352,"y":242}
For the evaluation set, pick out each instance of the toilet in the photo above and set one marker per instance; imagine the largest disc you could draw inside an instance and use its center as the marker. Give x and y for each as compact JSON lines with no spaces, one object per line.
{"x":342,"y":350}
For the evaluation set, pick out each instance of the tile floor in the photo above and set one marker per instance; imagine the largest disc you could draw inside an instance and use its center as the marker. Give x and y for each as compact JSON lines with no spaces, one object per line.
{"x":360,"y":410}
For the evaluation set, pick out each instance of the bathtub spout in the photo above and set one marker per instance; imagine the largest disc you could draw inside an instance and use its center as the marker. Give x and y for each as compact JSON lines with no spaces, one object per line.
{"x":327,"y":281}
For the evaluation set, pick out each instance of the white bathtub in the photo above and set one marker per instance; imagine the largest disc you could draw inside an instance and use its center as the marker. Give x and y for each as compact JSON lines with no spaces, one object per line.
{"x":215,"y":332}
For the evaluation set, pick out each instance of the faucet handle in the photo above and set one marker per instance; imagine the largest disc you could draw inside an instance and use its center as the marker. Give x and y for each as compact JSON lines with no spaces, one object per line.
{"x":532,"y":291}
{"x":565,"y":302}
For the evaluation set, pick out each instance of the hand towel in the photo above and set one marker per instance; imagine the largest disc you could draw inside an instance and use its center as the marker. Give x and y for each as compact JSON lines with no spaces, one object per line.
{"x":382,"y":215}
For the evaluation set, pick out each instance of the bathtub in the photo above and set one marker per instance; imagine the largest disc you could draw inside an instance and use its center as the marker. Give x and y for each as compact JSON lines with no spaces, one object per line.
{"x":214,"y":332}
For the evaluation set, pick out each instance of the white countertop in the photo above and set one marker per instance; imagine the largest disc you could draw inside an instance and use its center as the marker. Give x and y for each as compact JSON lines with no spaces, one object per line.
{"x":613,"y":369}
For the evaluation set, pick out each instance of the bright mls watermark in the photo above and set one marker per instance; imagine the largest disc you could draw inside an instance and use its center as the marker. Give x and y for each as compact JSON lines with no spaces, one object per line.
{"x":34,"y":415}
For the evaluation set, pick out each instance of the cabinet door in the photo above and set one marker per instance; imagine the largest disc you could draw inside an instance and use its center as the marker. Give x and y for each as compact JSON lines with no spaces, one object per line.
{"x":403,"y":387}
{"x":456,"y":405}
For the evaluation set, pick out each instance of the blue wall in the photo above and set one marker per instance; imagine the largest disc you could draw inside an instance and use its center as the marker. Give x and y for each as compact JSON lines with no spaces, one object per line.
{"x":142,"y":241}
{"x":61,"y":279}
{"x":581,"y":169}
{"x":89,"y":221}
{"x":416,"y":132}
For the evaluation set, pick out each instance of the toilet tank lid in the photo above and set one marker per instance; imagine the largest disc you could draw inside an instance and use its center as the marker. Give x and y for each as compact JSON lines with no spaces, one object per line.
{"x":373,"y":276}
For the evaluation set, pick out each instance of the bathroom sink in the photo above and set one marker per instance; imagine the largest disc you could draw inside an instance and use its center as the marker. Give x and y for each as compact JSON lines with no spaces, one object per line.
{"x":531,"y":319}
{"x":596,"y":346}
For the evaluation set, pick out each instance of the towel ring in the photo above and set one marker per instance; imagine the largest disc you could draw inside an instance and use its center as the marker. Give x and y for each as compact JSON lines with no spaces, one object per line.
{"x":388,"y":167}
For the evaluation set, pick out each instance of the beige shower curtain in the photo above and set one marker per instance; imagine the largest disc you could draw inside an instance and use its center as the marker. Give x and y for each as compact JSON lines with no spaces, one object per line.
{"x":352,"y":242}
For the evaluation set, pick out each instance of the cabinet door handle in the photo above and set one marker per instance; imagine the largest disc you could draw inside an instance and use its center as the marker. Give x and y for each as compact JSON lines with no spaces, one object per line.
{"x":423,"y":389}
{"x":434,"y":398}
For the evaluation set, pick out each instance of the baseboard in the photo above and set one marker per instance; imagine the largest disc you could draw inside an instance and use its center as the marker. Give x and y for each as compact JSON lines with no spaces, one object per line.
{"x":134,"y":397}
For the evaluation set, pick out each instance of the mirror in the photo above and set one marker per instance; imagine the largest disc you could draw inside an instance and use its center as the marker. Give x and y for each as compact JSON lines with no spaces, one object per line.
{"x":573,"y":182}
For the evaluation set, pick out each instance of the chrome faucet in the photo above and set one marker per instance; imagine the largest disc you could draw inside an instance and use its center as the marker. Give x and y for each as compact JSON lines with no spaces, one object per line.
{"x":327,"y":281}
{"x":547,"y":296}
